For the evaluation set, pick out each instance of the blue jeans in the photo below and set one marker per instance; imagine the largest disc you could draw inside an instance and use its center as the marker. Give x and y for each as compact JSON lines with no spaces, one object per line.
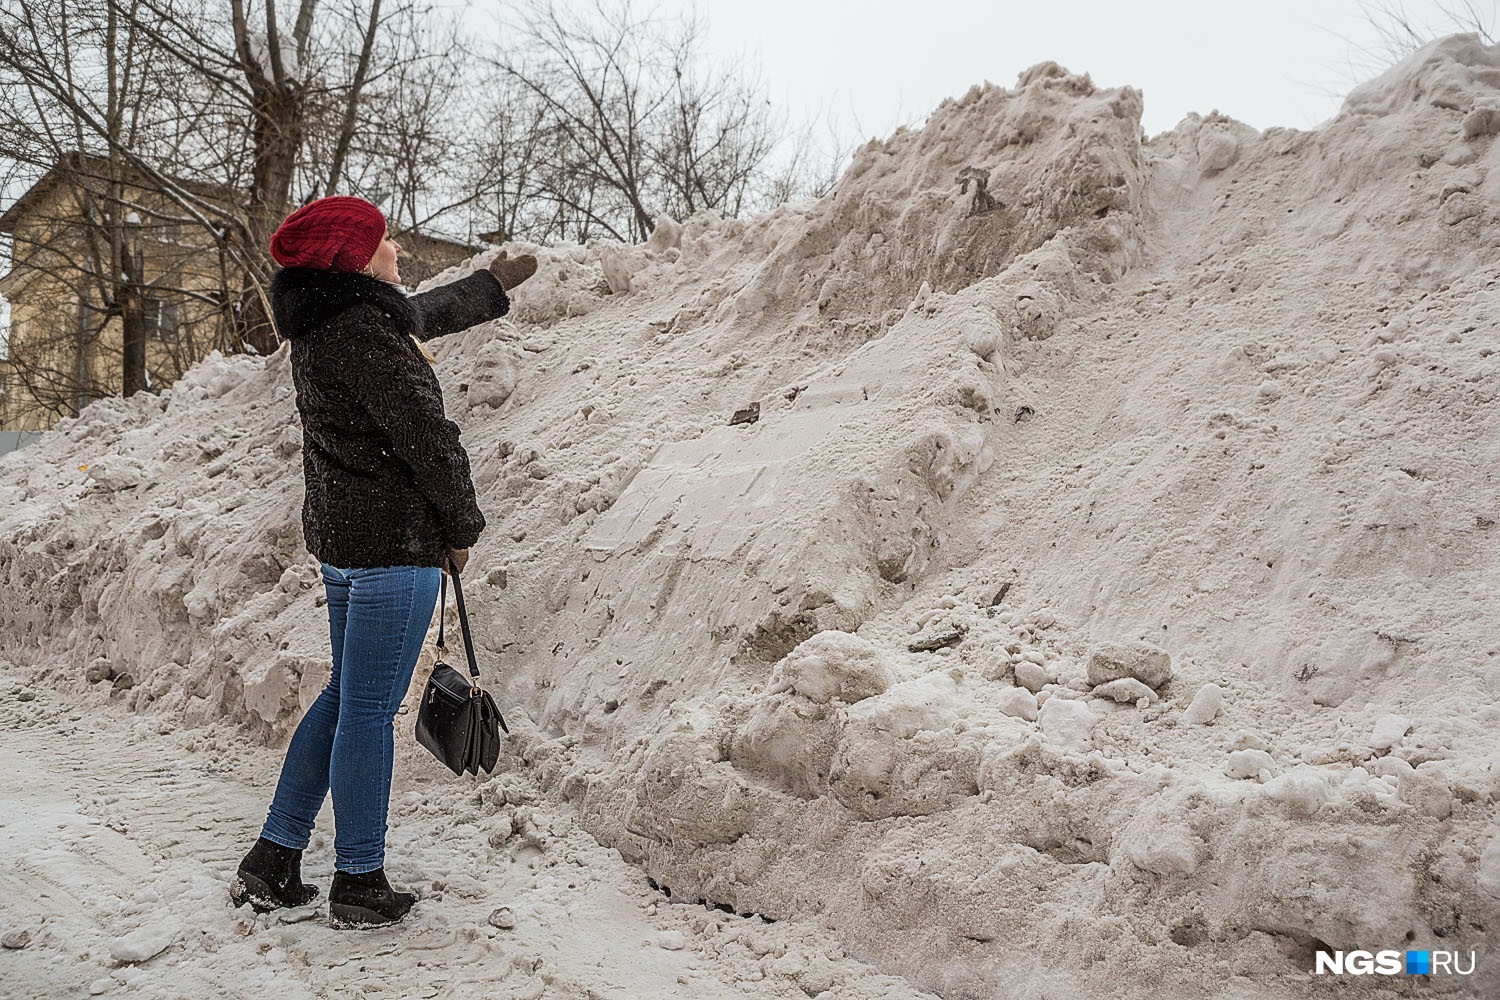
{"x":377,"y":619}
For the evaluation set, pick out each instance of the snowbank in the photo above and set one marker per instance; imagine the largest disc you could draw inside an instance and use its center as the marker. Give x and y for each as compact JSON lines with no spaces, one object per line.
{"x":1092,"y":507}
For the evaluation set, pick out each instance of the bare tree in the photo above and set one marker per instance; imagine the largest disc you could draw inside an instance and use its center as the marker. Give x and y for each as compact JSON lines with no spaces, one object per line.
{"x":211,"y":115}
{"x":1398,"y":33}
{"x":623,"y":120}
{"x":88,"y":238}
{"x":185,"y":130}
{"x":718,"y":138}
{"x":506,"y":164}
{"x":411,"y":145}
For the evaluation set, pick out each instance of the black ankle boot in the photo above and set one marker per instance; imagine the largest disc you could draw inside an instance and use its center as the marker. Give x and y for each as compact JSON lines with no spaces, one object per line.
{"x":365,"y":900}
{"x":271,"y":877}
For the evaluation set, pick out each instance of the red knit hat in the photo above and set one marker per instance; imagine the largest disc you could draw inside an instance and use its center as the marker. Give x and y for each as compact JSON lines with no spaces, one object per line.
{"x":332,"y":234}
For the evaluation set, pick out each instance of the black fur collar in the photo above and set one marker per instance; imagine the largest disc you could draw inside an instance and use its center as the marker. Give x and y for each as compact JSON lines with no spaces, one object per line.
{"x":303,"y":298}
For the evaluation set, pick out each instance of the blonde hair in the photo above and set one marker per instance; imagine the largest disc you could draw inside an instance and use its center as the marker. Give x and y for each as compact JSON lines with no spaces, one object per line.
{"x":423,"y":348}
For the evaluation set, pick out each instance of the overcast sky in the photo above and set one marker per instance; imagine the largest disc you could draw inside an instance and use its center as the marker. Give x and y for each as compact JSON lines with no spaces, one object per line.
{"x":880,"y":64}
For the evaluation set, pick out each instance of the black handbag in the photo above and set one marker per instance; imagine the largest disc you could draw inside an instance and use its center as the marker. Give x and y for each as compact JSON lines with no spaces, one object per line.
{"x":458,"y":720}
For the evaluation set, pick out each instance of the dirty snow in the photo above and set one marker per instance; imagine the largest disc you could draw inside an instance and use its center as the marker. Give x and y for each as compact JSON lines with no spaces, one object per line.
{"x":1054,"y":563}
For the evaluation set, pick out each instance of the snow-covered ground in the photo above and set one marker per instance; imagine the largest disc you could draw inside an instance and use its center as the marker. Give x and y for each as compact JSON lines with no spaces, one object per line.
{"x":1056,"y":563}
{"x":119,"y":837}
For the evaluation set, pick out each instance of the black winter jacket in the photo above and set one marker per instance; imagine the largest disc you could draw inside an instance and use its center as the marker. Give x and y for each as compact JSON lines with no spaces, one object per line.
{"x":388,"y":482}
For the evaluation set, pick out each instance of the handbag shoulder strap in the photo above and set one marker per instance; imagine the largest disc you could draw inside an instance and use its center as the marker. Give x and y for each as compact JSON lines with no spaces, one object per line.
{"x":463,"y":620}
{"x":463,"y":624}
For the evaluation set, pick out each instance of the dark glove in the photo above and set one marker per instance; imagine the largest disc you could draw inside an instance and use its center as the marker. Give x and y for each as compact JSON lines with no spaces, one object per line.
{"x":511,"y":271}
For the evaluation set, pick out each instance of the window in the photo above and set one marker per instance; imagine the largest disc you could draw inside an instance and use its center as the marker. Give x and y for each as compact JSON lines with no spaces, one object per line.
{"x":161,"y":319}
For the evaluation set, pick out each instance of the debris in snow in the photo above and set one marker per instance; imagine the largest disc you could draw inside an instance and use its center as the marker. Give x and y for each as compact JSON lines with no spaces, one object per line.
{"x":939,"y":637}
{"x":503,"y":917}
{"x":748,"y":415}
{"x":980,"y":199}
{"x":671,"y":940}
{"x":15,"y":940}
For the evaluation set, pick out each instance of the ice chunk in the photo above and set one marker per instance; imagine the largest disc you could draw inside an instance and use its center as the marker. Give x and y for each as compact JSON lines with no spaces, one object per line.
{"x":931,"y":702}
{"x":619,"y":269}
{"x":1217,"y":149}
{"x":1389,"y":729}
{"x":1127,"y":689}
{"x":1068,"y":723}
{"x":1018,"y":702}
{"x":1426,"y":792}
{"x":831,"y":665}
{"x":1170,"y":850}
{"x":1031,"y":676}
{"x":1110,"y":661}
{"x":666,"y":235}
{"x":118,"y":472}
{"x":143,"y":943}
{"x":1206,"y":705}
{"x":789,"y":739}
{"x":1303,"y":790}
{"x":1251,"y":764}
{"x":1489,"y":869}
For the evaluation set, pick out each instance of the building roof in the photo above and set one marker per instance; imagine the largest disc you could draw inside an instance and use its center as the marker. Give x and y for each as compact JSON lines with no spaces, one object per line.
{"x":436,"y":245}
{"x":29,"y":197}
{"x":75,"y":165}
{"x":424,"y":256}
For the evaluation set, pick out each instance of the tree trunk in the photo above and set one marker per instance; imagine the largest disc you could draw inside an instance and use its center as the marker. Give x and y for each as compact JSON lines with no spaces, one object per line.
{"x":278,"y":135}
{"x":133,"y":333}
{"x":278,"y":105}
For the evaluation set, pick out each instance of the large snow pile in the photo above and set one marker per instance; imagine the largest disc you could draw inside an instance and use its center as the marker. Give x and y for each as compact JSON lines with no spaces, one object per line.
{"x":1062,"y":563}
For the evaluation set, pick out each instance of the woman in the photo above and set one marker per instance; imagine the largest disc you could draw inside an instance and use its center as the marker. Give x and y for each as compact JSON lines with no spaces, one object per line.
{"x":389,"y":506}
